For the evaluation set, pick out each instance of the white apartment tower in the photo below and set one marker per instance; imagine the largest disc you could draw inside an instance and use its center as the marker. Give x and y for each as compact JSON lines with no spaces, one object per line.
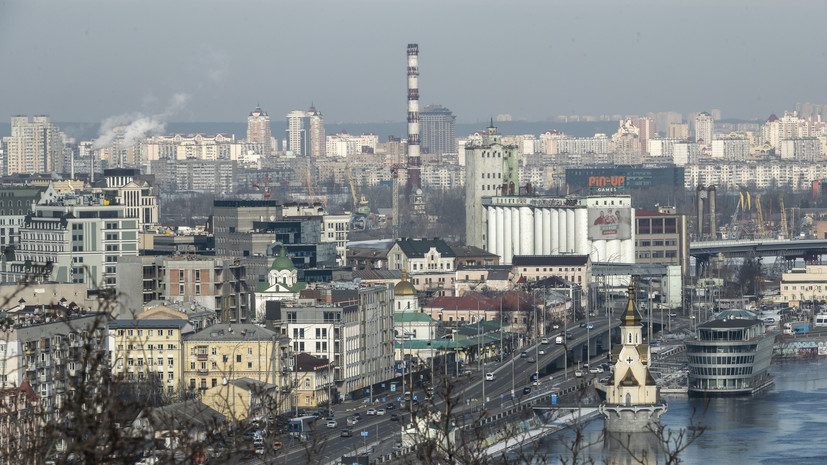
{"x":704,"y":125}
{"x":305,"y":133}
{"x":34,"y":146}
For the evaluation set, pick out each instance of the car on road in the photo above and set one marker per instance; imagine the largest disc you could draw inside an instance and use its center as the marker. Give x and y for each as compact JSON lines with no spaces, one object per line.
{"x":523,"y":354}
{"x":357,"y":416}
{"x":569,"y":334}
{"x":277,"y":445}
{"x":346,"y":433}
{"x":595,"y":370}
{"x":489,"y":376}
{"x":590,"y":326}
{"x":531,"y":360}
{"x":371,"y":411}
{"x":352,"y":421}
{"x":578,"y":373}
{"x":380,"y":411}
{"x":582,"y":324}
{"x":556,"y":326}
{"x":542,"y":351}
{"x":673,"y":314}
{"x":390,"y":406}
{"x":332,"y":424}
{"x":526,"y":390}
{"x":544,"y":340}
{"x":394,"y":417}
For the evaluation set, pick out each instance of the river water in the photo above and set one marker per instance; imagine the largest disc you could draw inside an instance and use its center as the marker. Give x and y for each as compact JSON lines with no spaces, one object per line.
{"x":785,"y":425}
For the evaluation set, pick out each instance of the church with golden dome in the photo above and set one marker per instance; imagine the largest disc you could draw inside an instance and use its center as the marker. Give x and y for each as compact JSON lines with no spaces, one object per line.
{"x":632,"y":396}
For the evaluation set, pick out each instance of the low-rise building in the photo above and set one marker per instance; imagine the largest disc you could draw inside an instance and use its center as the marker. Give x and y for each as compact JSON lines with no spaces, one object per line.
{"x":313,"y":381}
{"x":808,"y":283}
{"x":482,"y":278}
{"x":243,"y":399}
{"x":573,"y":268}
{"x":421,"y":255}
{"x":233,"y":351}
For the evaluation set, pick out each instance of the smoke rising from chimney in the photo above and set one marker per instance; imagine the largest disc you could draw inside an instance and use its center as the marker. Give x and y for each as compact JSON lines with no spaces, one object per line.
{"x":137,"y":126}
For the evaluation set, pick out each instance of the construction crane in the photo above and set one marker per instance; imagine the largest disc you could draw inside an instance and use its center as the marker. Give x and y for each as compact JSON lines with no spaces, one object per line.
{"x":309,"y":185}
{"x":736,"y":229}
{"x":761,"y":231}
{"x":784,"y":231}
{"x":265,"y":188}
{"x":360,"y":206}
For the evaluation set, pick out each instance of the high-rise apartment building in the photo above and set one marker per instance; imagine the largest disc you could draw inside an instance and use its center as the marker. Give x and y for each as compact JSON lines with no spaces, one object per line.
{"x":258,"y":130}
{"x":646,"y":127}
{"x":704,"y":126}
{"x":678,"y":131}
{"x":305,"y":133}
{"x":34,"y":146}
{"x":437,"y":128}
{"x":491,"y":169}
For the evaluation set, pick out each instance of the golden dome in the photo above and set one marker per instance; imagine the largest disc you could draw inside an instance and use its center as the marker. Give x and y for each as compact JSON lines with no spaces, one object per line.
{"x":404,"y":287}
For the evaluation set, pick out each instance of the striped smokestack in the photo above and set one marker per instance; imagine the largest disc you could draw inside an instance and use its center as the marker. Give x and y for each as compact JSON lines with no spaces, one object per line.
{"x":413,"y":117}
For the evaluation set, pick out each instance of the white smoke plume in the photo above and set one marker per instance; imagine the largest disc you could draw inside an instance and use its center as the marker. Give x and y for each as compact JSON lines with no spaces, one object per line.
{"x":136,"y":126}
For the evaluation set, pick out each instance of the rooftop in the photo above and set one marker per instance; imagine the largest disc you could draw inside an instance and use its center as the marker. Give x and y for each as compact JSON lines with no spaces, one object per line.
{"x":227,"y":332}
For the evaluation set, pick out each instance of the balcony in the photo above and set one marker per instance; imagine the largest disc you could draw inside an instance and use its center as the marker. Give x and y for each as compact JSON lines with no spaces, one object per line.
{"x":203,"y":371}
{"x":201,"y":357}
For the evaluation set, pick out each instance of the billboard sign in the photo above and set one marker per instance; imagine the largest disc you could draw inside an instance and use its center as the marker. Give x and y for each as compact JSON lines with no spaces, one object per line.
{"x":607,"y":223}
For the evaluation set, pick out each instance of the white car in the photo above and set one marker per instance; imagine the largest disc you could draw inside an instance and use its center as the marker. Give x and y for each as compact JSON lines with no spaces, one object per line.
{"x":544,"y":340}
{"x":542,"y":351}
{"x":489,"y":376}
{"x":331,"y":424}
{"x":595,"y":370}
{"x":380,"y":411}
{"x":371,"y":411}
{"x":578,"y":373}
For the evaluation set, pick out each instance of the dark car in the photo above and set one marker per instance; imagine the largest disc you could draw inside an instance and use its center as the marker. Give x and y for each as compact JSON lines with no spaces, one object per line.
{"x":526,"y":390}
{"x":583,"y":324}
{"x":390,"y":406}
{"x":523,"y":354}
{"x":346,"y":433}
{"x":394,"y":417}
{"x":357,"y":416}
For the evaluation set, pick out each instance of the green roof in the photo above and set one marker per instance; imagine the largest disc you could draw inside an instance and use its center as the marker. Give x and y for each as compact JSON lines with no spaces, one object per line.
{"x":282,"y":262}
{"x":410,"y":317}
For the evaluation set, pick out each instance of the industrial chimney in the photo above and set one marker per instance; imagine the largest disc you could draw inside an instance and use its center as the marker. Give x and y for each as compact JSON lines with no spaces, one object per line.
{"x":413,"y":118}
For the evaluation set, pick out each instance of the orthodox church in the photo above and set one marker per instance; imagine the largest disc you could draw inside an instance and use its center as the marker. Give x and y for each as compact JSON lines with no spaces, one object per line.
{"x":632,"y":397}
{"x":282,"y":284}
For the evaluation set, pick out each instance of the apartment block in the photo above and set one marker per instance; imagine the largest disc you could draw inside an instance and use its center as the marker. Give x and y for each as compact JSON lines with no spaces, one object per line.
{"x":149,"y":351}
{"x":75,"y":239}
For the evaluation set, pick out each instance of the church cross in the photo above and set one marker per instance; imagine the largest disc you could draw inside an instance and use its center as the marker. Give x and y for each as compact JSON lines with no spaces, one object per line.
{"x":629,"y":360}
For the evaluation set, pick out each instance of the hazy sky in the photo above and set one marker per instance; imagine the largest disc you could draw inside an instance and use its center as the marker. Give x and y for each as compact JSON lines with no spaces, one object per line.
{"x":87,"y":61}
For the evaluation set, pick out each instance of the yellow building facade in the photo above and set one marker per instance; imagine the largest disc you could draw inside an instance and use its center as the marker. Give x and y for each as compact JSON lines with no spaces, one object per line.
{"x":149,"y":349}
{"x":224,"y":352}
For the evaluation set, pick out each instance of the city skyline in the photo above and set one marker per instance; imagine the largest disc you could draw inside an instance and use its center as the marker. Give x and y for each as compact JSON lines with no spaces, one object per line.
{"x":559,"y":59}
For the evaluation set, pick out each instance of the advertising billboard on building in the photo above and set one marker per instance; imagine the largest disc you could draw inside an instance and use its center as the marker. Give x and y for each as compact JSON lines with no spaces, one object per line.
{"x":607,"y":223}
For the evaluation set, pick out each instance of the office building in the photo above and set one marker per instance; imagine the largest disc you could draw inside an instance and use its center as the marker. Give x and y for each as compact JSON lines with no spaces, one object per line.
{"x":491,"y":168}
{"x":305,"y":133}
{"x":437,"y":128}
{"x":804,"y":284}
{"x":35,"y":146}
{"x":258,"y":130}
{"x":662,"y":237}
